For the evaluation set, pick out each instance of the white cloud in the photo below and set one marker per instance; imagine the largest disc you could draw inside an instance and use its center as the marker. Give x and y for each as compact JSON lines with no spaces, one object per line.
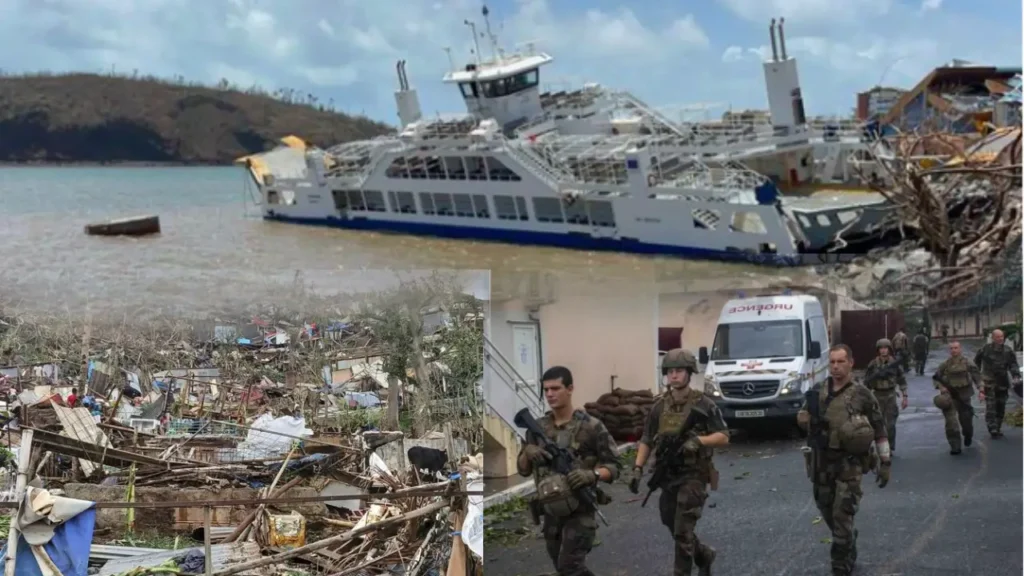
{"x":732,"y":54}
{"x":662,"y":52}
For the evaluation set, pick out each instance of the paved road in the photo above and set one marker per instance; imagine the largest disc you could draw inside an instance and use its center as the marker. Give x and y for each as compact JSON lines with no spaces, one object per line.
{"x":940,"y":515}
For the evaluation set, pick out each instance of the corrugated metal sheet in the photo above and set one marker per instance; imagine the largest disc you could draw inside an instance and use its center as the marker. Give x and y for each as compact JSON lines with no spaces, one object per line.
{"x":224,"y":555}
{"x":79,"y":425}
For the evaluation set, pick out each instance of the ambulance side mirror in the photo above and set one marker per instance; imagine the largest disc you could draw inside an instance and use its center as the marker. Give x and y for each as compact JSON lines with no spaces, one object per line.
{"x":814,"y":350}
{"x":702,"y":354}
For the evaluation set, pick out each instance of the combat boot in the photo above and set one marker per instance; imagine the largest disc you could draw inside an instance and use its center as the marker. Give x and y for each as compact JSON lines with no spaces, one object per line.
{"x":707,"y":558}
{"x":967,"y":440}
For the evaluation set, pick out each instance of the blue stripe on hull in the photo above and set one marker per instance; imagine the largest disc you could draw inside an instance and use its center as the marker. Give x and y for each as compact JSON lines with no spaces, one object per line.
{"x":552,"y":239}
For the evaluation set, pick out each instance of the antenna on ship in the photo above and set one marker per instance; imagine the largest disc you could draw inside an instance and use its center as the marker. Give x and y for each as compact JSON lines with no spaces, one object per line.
{"x":451,"y":61}
{"x":496,"y":52}
{"x":476,"y":42}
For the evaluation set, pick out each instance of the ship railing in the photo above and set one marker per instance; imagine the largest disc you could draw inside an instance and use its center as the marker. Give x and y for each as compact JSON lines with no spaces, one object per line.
{"x":632,"y":101}
{"x":536,"y":165}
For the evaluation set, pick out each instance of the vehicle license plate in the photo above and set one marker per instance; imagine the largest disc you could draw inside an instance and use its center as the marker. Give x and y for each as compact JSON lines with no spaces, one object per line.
{"x":750,"y":413}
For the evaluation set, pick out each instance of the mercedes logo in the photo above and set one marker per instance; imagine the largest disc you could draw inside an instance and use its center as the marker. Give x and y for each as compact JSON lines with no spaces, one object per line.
{"x":748,"y":389}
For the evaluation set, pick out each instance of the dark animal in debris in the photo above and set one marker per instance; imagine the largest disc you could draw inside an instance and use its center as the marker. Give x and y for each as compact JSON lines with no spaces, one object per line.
{"x":429,"y":459}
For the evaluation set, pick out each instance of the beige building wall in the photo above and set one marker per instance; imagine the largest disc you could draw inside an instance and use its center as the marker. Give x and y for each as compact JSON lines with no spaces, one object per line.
{"x":972,"y":323}
{"x":606,"y":334}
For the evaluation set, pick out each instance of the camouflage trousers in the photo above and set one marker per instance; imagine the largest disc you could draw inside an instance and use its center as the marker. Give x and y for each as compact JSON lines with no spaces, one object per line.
{"x":837,"y":493}
{"x":997,"y":391}
{"x":903,"y":358}
{"x":959,"y":418}
{"x":890,"y":412}
{"x":680,"y":506}
{"x":919,"y":362}
{"x":568,"y":541}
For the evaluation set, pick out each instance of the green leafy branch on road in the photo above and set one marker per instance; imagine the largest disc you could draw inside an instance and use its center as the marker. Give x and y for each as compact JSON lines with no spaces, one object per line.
{"x":504,"y":523}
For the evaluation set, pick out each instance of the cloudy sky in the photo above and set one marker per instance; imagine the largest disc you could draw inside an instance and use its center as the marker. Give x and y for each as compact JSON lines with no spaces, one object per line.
{"x":671,"y":53}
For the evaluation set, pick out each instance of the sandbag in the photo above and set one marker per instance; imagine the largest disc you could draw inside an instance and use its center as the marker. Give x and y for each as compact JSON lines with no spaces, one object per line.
{"x":608,"y":399}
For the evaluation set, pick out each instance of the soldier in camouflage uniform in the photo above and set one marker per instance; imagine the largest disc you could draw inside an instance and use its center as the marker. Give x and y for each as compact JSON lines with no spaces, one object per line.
{"x":690,"y":470}
{"x":956,"y":379}
{"x":997,"y":362}
{"x":570,"y":525}
{"x":850,"y":420}
{"x":900,"y":349}
{"x":885,"y":386}
{"x":921,"y":342}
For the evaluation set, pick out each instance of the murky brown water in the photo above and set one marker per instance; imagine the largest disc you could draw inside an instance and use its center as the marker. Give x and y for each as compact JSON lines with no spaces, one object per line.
{"x":215,"y":250}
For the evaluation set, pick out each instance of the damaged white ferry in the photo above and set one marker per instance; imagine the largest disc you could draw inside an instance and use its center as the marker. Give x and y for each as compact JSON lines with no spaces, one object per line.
{"x":592,"y":169}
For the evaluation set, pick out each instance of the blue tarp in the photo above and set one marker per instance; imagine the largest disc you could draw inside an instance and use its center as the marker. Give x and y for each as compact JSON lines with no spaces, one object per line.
{"x":68,"y":549}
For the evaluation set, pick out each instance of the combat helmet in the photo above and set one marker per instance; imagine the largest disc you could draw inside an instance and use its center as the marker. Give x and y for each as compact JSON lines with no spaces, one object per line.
{"x":679,"y":358}
{"x":883,"y":343}
{"x":856,"y":435}
{"x":942,"y":401}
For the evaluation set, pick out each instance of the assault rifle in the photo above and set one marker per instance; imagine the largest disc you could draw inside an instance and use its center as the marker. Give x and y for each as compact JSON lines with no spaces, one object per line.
{"x":891,"y":369}
{"x":816,"y":429}
{"x":561,"y":459}
{"x":668,"y":448}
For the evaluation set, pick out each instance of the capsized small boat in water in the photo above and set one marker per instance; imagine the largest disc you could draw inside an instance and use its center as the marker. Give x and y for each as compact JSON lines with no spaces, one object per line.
{"x":136,"y":226}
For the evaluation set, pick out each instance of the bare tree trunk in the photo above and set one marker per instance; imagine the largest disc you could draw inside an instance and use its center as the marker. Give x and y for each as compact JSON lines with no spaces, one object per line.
{"x":391,"y":416}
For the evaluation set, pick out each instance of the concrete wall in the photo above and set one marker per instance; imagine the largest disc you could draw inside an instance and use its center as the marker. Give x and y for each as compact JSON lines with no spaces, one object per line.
{"x":500,"y":448}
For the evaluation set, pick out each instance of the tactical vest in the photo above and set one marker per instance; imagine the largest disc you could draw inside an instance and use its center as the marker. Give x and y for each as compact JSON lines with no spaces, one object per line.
{"x":842,"y":418}
{"x":670,"y":423}
{"x":995,"y":361}
{"x":883,"y":384}
{"x":553,"y":493}
{"x":957,"y":372}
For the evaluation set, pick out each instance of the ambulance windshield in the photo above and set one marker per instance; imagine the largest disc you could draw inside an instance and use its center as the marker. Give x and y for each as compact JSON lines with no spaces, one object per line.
{"x":764,"y":339}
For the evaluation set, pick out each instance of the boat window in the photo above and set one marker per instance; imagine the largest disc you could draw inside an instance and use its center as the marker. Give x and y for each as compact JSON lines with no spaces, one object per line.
{"x":340,"y":200}
{"x":498,"y":171}
{"x":475,"y":167}
{"x":521,"y":82}
{"x":521,"y":206}
{"x":406,"y":203}
{"x":397,"y":169}
{"x":463,"y":205}
{"x":443,"y":204}
{"x":575,"y":210}
{"x":548,"y":210}
{"x":355,"y":200}
{"x":434,"y":170}
{"x":454,"y":167}
{"x":480,"y":206}
{"x":505,"y":207}
{"x":272,"y":197}
{"x":375,"y":201}
{"x":601,"y":213}
{"x":427,"y":203}
{"x":469,"y":90}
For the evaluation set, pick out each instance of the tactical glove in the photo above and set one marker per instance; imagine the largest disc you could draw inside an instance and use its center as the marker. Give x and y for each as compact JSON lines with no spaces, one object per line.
{"x":692,"y":445}
{"x":634,"y":482}
{"x":536,"y":454}
{"x":579,"y":478}
{"x":883,"y":473}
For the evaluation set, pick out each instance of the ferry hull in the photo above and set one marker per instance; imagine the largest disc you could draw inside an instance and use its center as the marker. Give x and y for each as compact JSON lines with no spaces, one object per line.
{"x":548,"y":239}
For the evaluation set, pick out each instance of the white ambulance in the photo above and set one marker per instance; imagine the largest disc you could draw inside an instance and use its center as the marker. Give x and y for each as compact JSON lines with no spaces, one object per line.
{"x":767,"y":352}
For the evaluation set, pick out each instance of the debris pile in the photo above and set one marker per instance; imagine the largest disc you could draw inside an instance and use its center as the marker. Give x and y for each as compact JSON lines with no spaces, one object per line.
{"x":957,"y":210}
{"x":623,"y":412}
{"x":255,"y":447}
